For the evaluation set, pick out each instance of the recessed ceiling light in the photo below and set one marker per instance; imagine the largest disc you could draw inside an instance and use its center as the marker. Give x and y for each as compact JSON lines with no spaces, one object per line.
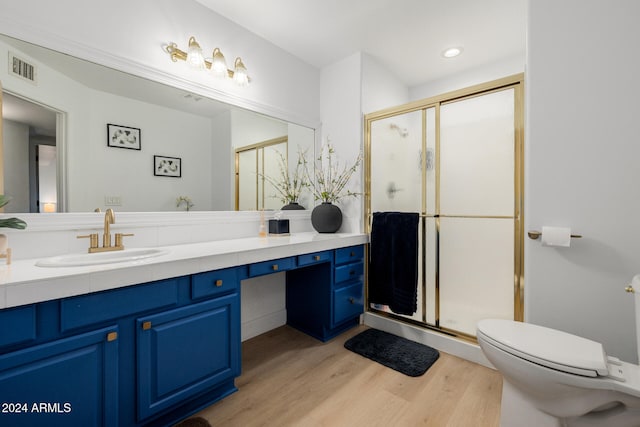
{"x":452,"y":52}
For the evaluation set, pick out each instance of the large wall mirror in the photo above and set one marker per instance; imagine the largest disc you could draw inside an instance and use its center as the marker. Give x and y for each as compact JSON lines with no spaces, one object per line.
{"x":59,"y":153}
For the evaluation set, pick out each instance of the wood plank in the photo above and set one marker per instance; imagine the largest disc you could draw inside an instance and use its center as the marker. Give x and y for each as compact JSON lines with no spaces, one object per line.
{"x":291,"y":379}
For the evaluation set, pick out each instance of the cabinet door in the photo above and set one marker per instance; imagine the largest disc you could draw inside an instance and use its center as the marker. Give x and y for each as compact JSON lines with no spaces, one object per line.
{"x":71,"y":381}
{"x":186,"y":351}
{"x":347,"y":303}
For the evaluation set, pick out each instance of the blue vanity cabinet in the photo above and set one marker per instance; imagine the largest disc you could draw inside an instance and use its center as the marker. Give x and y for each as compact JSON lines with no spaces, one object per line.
{"x":186,"y":351}
{"x":71,"y":381}
{"x":324,"y":295}
{"x":146,"y":354}
{"x":348,"y":287}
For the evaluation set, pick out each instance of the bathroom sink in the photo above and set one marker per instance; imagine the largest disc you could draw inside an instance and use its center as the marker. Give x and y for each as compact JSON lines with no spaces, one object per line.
{"x":79,"y":260}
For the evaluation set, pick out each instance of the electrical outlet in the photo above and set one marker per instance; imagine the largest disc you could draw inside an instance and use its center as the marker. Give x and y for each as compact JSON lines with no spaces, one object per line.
{"x":112,"y":201}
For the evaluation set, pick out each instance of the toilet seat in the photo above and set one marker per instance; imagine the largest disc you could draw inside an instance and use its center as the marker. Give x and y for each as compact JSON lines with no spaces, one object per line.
{"x":547,"y":347}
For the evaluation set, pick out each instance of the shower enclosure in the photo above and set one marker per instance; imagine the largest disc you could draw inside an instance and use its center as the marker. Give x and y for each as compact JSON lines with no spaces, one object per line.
{"x":456,"y":159}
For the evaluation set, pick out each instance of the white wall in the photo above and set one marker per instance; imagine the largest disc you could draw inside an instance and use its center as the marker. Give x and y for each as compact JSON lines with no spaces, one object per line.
{"x":222,"y":159}
{"x":248,"y":128}
{"x":380,"y":88}
{"x":124,"y":172}
{"x":582,"y":168}
{"x":483,"y":74}
{"x":15,"y":141}
{"x":341,"y":111}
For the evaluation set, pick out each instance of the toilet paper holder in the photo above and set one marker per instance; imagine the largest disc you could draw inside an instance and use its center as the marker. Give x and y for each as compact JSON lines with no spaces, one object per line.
{"x":535,"y":235}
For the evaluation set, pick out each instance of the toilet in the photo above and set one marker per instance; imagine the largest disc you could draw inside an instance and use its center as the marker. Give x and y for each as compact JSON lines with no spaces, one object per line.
{"x":552,"y":378}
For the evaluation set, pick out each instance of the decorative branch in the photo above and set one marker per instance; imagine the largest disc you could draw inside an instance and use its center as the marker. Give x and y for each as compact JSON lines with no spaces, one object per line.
{"x":288,"y":186}
{"x":330,"y":178}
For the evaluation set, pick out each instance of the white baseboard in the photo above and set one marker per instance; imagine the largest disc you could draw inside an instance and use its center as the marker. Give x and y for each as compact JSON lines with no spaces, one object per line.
{"x":441,"y":342}
{"x":255,"y":327}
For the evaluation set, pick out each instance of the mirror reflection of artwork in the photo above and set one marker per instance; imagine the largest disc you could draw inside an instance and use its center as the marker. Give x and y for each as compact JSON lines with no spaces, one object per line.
{"x":167,"y":166}
{"x":123,"y":137}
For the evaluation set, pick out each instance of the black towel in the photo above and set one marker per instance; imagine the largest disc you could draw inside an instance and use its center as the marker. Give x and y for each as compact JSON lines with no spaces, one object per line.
{"x":393,"y":269}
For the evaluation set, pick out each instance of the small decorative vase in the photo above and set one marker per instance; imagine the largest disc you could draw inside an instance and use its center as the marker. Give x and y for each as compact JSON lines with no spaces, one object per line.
{"x":292,"y":206}
{"x":326,"y":218}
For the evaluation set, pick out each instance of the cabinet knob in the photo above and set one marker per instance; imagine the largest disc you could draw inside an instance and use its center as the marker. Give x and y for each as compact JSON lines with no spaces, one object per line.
{"x":351,"y":300}
{"x":274,"y":267}
{"x":218,"y":283}
{"x":317,"y":257}
{"x":352,"y":272}
{"x":146,"y":326}
{"x":352,"y":254}
{"x":112,"y":336}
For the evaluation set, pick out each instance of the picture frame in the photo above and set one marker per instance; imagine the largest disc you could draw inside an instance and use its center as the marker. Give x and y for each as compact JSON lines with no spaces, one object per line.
{"x":167,"y":166}
{"x":124,"y":137}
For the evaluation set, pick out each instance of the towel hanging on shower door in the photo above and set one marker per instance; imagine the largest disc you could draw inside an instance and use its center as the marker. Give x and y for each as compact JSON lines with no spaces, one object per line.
{"x":393,"y":264}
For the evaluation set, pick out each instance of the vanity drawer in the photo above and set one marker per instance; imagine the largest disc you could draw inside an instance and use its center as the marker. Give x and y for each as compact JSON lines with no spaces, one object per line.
{"x":350,"y":254}
{"x":214,"y":282}
{"x":347,"y":303}
{"x":88,"y":309}
{"x":314,"y":258}
{"x":349,"y":272}
{"x":17,"y":325}
{"x":272,"y":266}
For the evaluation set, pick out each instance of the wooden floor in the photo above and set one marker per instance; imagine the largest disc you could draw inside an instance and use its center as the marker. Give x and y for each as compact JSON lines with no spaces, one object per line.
{"x":291,"y":379}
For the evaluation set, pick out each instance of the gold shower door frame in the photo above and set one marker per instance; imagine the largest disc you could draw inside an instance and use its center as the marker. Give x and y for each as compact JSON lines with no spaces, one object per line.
{"x":259,"y":166}
{"x":515,"y":82}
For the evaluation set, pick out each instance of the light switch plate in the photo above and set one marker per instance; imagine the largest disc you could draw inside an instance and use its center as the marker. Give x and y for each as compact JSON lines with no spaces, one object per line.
{"x":112,"y":201}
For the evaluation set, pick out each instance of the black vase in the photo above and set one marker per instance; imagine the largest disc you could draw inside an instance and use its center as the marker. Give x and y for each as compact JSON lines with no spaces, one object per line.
{"x":292,"y":206}
{"x":326,"y":218}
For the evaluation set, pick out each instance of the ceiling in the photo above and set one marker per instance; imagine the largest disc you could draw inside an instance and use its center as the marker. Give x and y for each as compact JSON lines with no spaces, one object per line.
{"x":406,"y":36}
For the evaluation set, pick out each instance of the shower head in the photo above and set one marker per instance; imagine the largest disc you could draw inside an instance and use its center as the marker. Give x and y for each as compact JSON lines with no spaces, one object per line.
{"x":402,"y":131}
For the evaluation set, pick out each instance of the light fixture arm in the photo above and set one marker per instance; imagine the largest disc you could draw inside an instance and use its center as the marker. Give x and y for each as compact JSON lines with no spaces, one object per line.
{"x":175,"y":53}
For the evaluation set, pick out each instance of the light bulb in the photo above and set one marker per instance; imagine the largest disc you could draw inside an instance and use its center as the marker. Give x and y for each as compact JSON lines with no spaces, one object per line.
{"x":240,"y":73}
{"x":195,"y":58}
{"x":218,"y":64}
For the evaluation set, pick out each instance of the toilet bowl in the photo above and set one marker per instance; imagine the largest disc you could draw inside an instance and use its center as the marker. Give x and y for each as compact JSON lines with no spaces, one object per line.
{"x":552,"y":378}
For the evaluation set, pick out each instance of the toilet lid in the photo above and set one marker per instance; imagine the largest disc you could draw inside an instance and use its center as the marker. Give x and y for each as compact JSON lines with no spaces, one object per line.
{"x":548,"y":347}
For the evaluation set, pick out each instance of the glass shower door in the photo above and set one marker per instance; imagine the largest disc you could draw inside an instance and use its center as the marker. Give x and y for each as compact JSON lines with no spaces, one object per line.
{"x":477,"y":210}
{"x":457,"y":160}
{"x":396,"y":175}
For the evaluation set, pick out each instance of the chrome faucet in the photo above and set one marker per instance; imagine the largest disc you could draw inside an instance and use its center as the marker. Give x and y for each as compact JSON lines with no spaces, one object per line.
{"x":109,"y":218}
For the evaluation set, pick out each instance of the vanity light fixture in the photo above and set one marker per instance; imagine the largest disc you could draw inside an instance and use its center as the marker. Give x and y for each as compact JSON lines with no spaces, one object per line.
{"x":452,"y":52}
{"x":216,"y":64}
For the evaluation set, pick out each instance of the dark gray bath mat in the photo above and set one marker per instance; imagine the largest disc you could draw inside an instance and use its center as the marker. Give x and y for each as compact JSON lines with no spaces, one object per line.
{"x":403,"y":355}
{"x":194,"y":422}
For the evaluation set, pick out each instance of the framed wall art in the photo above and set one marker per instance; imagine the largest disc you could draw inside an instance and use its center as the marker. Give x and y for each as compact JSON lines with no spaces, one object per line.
{"x":123,"y":137}
{"x":167,"y":166}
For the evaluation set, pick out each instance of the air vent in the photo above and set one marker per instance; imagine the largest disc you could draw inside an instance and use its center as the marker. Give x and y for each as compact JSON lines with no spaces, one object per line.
{"x":21,"y":68}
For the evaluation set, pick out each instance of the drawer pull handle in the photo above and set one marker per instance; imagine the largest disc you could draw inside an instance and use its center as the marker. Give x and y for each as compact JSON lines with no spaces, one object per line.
{"x":146,"y":326}
{"x":112,"y":336}
{"x":274,"y":267}
{"x":351,"y":300}
{"x":317,"y":257}
{"x":218,"y":283}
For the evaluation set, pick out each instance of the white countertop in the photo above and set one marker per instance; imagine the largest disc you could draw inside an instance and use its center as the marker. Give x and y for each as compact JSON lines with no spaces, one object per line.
{"x":23,"y":282}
